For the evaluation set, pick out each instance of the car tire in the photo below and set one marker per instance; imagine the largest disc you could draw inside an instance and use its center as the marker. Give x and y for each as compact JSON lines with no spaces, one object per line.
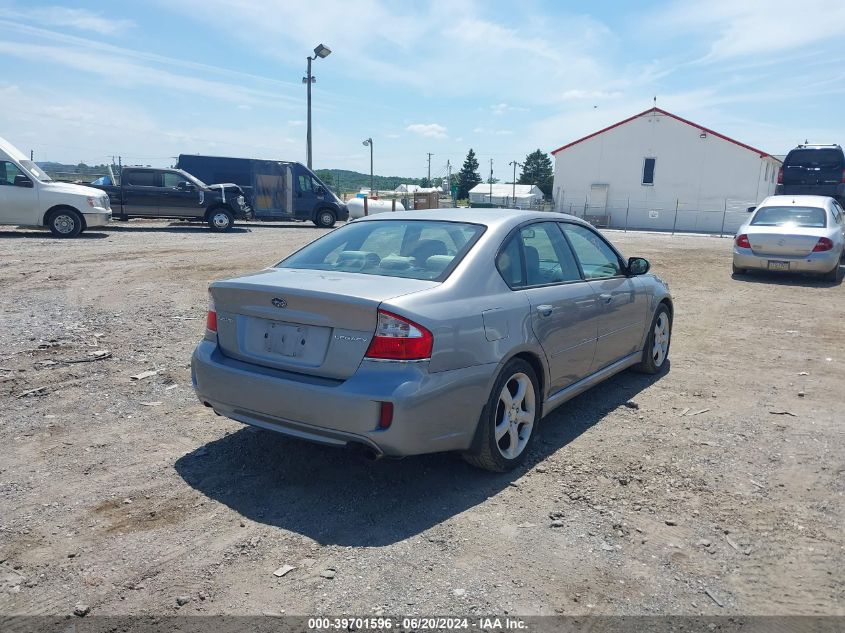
{"x":221,"y":220}
{"x":65,"y":223}
{"x":325,"y":219}
{"x":512,"y":413}
{"x":656,"y":351}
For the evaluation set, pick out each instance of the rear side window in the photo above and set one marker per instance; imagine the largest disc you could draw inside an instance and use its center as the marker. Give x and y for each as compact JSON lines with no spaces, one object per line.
{"x":544,"y":257}
{"x":814,"y":158}
{"x":141,"y":178}
{"x":813,"y":217}
{"x":414,"y":249}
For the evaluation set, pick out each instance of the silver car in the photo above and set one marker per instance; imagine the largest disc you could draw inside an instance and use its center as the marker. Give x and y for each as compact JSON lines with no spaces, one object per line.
{"x":441,"y":330}
{"x":803,"y":234}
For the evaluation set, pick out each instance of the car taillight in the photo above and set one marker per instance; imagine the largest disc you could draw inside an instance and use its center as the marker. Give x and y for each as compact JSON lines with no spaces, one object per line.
{"x":211,"y":317}
{"x":780,"y":176}
{"x":843,"y":176}
{"x":397,"y":338}
{"x":742,"y":241}
{"x":824,"y":244}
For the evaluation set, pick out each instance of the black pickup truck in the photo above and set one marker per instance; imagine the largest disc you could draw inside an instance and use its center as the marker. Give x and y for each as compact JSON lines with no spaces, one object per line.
{"x":146,"y":192}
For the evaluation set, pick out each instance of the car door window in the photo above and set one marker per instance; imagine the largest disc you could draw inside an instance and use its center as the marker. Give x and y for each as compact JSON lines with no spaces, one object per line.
{"x":141,"y":179}
{"x":172,"y":179}
{"x":598,"y":260}
{"x":305,"y":183}
{"x":8,"y":172}
{"x":537,"y":255}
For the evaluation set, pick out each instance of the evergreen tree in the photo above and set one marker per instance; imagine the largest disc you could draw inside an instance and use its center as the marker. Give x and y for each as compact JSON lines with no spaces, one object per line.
{"x":537,"y":170}
{"x":468,"y":177}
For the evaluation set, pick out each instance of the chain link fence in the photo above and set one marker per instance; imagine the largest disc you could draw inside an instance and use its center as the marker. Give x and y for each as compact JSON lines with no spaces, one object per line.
{"x":712,"y":215}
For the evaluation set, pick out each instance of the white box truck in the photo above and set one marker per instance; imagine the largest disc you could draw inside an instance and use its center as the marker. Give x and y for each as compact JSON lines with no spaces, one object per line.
{"x":29,"y":197}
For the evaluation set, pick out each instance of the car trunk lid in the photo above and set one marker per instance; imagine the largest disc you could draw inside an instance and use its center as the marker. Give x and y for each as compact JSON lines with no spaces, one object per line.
{"x":306,"y":321}
{"x":796,"y":242}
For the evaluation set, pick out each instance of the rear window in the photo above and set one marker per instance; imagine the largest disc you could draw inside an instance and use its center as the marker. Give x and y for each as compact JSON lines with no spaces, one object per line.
{"x":813,"y":217}
{"x":414,"y":249}
{"x":822,"y":158}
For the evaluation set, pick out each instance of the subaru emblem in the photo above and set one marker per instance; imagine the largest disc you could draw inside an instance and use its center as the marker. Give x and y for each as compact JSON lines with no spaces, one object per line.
{"x":279,"y":302}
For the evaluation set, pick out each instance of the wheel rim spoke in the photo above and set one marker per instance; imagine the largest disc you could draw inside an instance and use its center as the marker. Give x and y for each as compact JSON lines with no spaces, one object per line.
{"x":515,"y":416}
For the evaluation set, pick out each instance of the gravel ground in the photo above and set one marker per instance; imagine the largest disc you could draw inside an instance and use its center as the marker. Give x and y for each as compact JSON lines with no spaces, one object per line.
{"x":713,"y":489}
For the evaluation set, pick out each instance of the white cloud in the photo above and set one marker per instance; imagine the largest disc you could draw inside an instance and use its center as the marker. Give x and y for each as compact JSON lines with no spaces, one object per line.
{"x":80,"y":19}
{"x":296,"y":122}
{"x":492,"y":132}
{"x":430,"y":130}
{"x":755,"y":27}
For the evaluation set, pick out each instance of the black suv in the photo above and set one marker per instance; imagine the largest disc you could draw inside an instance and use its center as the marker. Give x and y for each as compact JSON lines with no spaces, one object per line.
{"x":813,"y":170}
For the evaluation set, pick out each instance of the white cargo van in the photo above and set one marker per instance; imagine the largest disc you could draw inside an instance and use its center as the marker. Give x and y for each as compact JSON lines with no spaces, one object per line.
{"x":29,"y":197}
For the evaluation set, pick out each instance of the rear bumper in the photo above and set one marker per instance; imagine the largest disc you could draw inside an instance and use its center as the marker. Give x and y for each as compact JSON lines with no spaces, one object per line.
{"x":432,"y":412}
{"x":832,"y":190}
{"x":812,"y":263}
{"x":97,"y":218}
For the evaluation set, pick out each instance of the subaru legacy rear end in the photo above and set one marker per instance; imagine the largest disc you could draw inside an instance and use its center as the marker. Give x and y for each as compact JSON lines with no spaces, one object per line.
{"x":319,"y":346}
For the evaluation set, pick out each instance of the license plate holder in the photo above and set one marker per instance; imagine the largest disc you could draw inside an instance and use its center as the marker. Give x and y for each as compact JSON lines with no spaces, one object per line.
{"x":776,"y":264}
{"x":284,"y":339}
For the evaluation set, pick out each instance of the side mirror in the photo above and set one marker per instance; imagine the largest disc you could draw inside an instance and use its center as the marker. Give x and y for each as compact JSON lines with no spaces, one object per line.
{"x":638,"y":266}
{"x":751,"y":209}
{"x":22,"y":181}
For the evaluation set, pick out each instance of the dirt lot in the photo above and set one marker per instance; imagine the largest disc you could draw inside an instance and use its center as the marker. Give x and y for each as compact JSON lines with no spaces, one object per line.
{"x":716,"y":488}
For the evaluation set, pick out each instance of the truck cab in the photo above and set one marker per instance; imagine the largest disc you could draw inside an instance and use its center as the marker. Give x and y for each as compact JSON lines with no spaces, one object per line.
{"x":29,"y":197}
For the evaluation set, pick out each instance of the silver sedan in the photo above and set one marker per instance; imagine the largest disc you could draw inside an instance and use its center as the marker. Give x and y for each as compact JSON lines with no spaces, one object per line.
{"x":803,"y":234}
{"x":441,"y":330}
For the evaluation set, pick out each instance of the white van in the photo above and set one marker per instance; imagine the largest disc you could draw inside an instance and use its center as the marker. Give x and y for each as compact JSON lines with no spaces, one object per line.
{"x":29,"y":197}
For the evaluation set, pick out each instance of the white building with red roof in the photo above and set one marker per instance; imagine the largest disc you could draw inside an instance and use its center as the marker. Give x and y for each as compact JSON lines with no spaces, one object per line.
{"x":637,"y":172}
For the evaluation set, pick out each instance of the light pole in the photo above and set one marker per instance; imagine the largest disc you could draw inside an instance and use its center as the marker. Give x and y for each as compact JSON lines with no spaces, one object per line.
{"x":513,"y":193}
{"x":369,"y":142}
{"x":320,"y":51}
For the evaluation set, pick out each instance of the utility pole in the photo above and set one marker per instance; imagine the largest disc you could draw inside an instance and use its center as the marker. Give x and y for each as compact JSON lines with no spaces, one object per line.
{"x":449,"y":178}
{"x":429,"y":167}
{"x":513,"y":193}
{"x":32,"y":155}
{"x":491,"y":181}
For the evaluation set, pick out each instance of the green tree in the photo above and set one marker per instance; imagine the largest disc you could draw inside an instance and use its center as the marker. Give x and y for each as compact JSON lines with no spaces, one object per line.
{"x":537,"y":170}
{"x":425,"y":184}
{"x":468,"y":177}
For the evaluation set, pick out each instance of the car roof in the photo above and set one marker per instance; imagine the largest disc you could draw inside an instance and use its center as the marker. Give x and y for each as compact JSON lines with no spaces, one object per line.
{"x":486,"y":216}
{"x":803,"y":201}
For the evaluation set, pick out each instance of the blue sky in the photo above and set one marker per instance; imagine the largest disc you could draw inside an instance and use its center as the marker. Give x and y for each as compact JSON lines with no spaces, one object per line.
{"x":149,"y":80}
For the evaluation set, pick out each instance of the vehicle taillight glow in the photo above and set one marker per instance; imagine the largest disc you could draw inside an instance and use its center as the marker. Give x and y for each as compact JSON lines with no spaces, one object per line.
{"x":211,"y":317}
{"x":780,"y":176}
{"x":824,"y":244}
{"x":742,"y":241}
{"x":397,"y":338}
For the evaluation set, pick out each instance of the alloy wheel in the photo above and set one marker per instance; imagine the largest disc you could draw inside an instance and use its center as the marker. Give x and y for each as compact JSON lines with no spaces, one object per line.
{"x":515,"y":415}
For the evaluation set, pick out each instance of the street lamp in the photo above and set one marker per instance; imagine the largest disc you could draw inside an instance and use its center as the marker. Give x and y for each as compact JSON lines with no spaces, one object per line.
{"x":369,"y":142}
{"x":321,"y":51}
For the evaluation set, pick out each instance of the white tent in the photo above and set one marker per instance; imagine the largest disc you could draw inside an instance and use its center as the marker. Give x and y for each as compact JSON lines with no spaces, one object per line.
{"x":407,"y":189}
{"x":504,"y":195}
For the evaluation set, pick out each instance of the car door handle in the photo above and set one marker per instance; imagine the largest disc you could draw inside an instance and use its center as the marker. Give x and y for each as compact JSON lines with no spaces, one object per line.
{"x":545,"y":310}
{"x":606,"y":298}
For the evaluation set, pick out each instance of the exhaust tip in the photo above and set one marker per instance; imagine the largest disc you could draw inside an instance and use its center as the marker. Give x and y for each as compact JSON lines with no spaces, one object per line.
{"x":367,"y":452}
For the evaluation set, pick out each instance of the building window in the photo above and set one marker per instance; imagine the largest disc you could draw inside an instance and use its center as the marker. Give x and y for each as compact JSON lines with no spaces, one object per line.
{"x":648,"y":171}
